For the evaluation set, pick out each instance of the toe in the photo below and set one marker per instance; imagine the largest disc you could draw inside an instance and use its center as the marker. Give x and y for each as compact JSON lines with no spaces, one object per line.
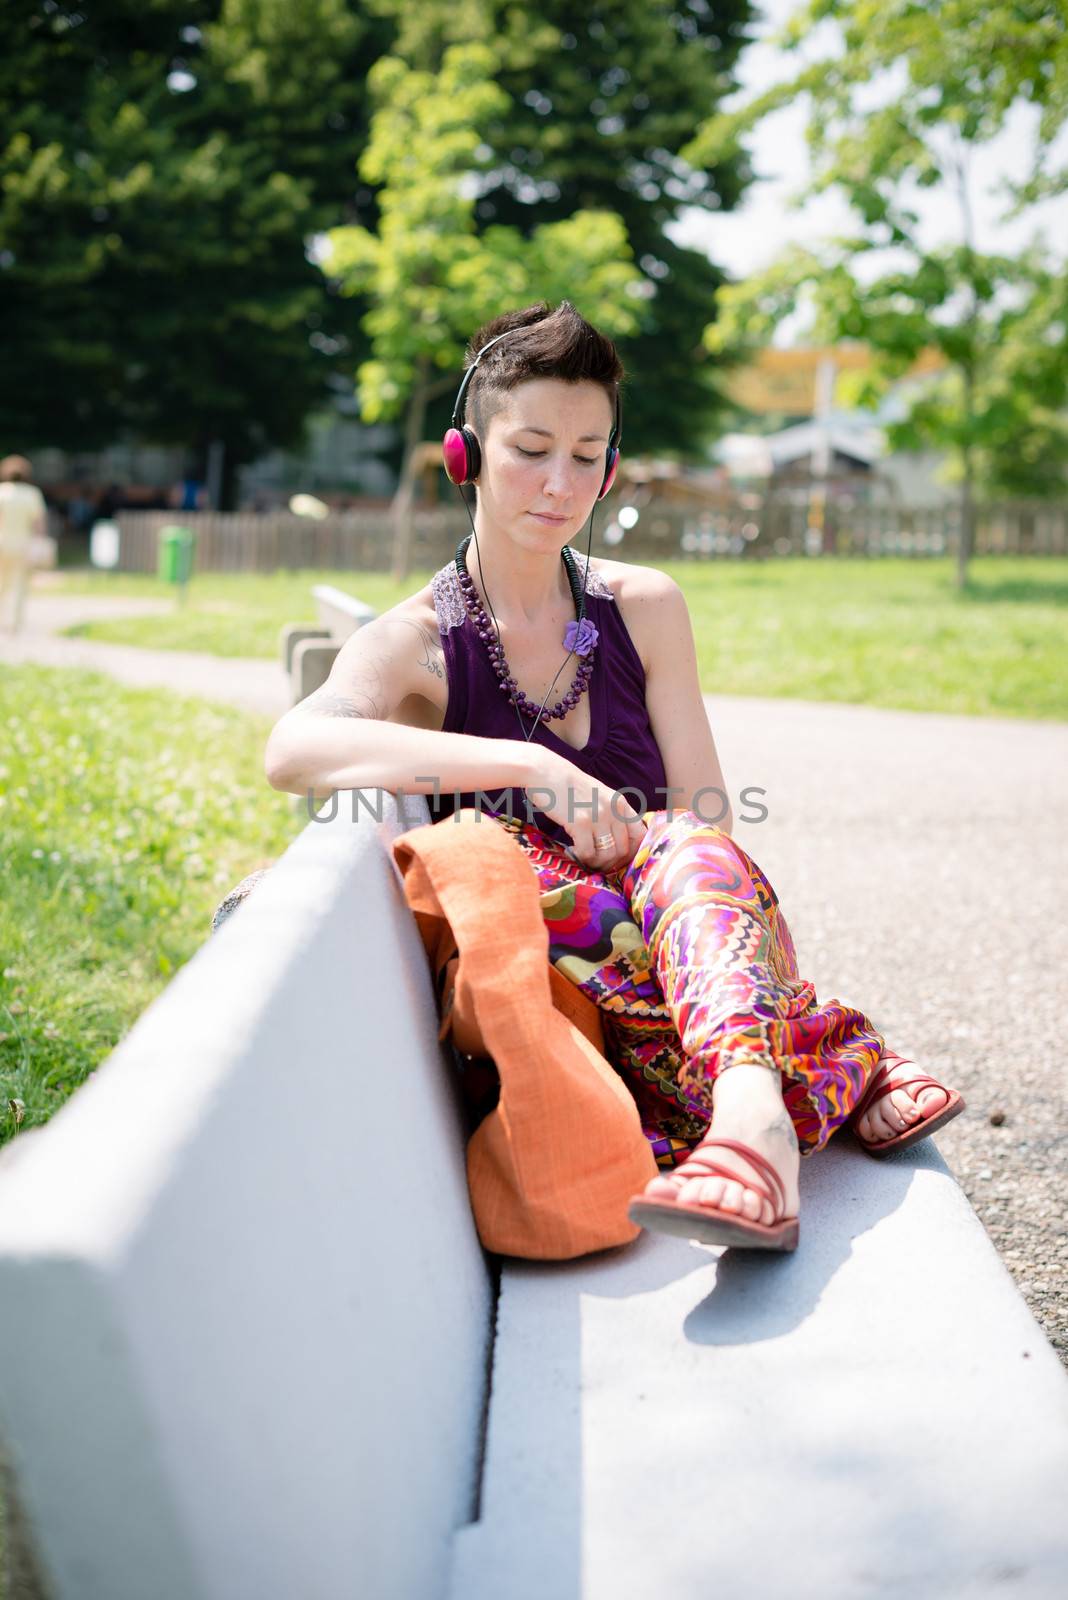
{"x":701,"y":1191}
{"x":753,"y":1205}
{"x":900,"y":1109}
{"x":886,"y":1120}
{"x":664,"y":1187}
{"x":882,"y":1122}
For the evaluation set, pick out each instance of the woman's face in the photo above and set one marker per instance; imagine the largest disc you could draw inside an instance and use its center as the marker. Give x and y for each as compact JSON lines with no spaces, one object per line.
{"x":544,"y":458}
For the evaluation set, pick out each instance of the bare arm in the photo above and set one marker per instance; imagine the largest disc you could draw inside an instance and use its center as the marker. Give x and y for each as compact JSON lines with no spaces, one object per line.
{"x":339,"y":736}
{"x":673,"y":698}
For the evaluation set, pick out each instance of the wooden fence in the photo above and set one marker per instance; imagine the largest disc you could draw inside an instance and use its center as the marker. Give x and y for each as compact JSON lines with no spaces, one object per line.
{"x":747,"y":526}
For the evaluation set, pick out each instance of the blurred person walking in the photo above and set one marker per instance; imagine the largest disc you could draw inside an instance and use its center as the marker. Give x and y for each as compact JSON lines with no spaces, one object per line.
{"x":23,"y":517}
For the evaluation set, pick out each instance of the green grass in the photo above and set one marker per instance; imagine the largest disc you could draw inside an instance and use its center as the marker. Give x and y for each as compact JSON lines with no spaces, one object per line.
{"x":125,"y":814}
{"x":226,"y":614}
{"x":890,"y":632}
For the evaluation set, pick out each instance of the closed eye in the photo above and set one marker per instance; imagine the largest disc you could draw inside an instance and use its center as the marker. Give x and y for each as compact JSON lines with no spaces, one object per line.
{"x":536,"y":455}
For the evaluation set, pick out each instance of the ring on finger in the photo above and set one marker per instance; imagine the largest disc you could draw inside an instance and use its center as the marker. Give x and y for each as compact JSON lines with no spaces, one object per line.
{"x":603,"y":841}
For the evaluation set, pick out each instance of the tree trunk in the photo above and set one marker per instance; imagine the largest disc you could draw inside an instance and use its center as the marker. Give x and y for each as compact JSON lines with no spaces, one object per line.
{"x":966,"y":541}
{"x":401,"y":510}
{"x":215,"y":467}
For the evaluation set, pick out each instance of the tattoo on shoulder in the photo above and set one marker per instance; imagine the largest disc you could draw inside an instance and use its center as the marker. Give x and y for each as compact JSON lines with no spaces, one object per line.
{"x":432,"y":659}
{"x":326,"y":702}
{"x":371,"y":702}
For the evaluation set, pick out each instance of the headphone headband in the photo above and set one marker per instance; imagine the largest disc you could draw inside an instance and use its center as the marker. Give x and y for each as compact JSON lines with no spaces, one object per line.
{"x":462,"y":456}
{"x":459,"y":405}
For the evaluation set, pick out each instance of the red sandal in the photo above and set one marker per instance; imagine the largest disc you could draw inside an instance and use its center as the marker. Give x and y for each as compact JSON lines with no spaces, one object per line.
{"x":880,"y":1086}
{"x":709,"y":1224}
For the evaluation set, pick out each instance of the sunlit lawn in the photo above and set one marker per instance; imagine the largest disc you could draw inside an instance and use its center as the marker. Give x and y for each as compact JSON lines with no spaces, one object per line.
{"x":887,"y":632}
{"x":227,"y":614}
{"x":125,"y":815}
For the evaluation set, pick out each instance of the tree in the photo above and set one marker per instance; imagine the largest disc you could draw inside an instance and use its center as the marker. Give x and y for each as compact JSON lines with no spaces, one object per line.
{"x":429,"y":278}
{"x":599,"y":101}
{"x":945,"y":76}
{"x":165,"y":166}
{"x":161,"y":169}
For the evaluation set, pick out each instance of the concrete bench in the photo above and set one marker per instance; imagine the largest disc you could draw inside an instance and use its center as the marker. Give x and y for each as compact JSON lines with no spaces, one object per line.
{"x":251,"y":1347}
{"x":308,"y":652}
{"x":238,"y":1357}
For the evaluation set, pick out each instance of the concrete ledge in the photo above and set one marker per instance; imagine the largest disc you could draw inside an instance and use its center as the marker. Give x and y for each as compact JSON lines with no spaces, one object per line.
{"x":242,"y":1352}
{"x":308,"y":653}
{"x":340,"y":612}
{"x":310,"y":666}
{"x":879,"y":1414}
{"x":294,"y":633}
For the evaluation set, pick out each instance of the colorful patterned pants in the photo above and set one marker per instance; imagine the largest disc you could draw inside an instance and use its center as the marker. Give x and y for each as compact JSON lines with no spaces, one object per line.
{"x":688,"y":956}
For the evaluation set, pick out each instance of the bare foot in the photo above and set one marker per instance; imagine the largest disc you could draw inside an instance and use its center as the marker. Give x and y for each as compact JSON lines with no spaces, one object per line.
{"x":748,"y":1107}
{"x":903,"y":1108}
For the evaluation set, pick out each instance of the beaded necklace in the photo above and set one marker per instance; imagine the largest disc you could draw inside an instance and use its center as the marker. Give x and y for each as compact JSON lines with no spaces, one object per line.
{"x":580,"y":638}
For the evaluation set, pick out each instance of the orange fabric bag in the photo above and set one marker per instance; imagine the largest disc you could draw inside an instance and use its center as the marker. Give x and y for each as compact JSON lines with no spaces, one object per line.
{"x":551,"y":1168}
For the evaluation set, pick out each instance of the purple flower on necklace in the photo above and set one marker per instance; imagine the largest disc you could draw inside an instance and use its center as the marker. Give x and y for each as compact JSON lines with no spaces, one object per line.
{"x":580,"y":637}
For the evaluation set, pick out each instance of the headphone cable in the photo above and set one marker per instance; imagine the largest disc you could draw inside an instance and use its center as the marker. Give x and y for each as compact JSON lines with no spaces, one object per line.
{"x":582,"y":610}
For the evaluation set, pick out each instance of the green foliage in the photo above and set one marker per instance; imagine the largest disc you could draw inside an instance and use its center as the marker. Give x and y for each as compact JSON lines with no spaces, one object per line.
{"x":429,"y":277}
{"x":165,"y":167}
{"x":906,"y":99}
{"x":960,"y":67}
{"x":599,"y":122}
{"x":597,"y":104}
{"x":161,"y":167}
{"x":1000,"y":397}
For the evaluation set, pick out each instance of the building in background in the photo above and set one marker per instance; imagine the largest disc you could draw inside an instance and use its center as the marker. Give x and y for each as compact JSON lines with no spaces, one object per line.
{"x":800,"y":436}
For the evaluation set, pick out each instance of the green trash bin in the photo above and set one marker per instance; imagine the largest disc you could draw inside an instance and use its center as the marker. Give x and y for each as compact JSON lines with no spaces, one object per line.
{"x":176,"y":554}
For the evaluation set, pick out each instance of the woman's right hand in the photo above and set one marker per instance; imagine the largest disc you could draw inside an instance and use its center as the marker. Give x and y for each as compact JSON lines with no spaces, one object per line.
{"x":566,"y":794}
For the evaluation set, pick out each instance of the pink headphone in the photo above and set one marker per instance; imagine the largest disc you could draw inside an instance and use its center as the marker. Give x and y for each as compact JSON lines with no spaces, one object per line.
{"x":460,"y":451}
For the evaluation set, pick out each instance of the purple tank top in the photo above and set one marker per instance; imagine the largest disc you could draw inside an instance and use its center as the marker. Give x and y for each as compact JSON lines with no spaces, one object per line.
{"x":621,"y":752}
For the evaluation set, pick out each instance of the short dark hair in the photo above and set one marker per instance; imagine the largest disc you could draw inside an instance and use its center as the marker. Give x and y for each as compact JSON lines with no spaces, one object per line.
{"x":559,"y":344}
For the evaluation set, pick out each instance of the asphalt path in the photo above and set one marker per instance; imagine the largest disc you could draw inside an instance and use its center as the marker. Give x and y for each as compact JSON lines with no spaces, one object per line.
{"x":255,"y":685}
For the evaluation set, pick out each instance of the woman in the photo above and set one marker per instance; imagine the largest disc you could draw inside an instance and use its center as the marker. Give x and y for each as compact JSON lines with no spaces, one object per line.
{"x":652,"y":908}
{"x":23,"y":517}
